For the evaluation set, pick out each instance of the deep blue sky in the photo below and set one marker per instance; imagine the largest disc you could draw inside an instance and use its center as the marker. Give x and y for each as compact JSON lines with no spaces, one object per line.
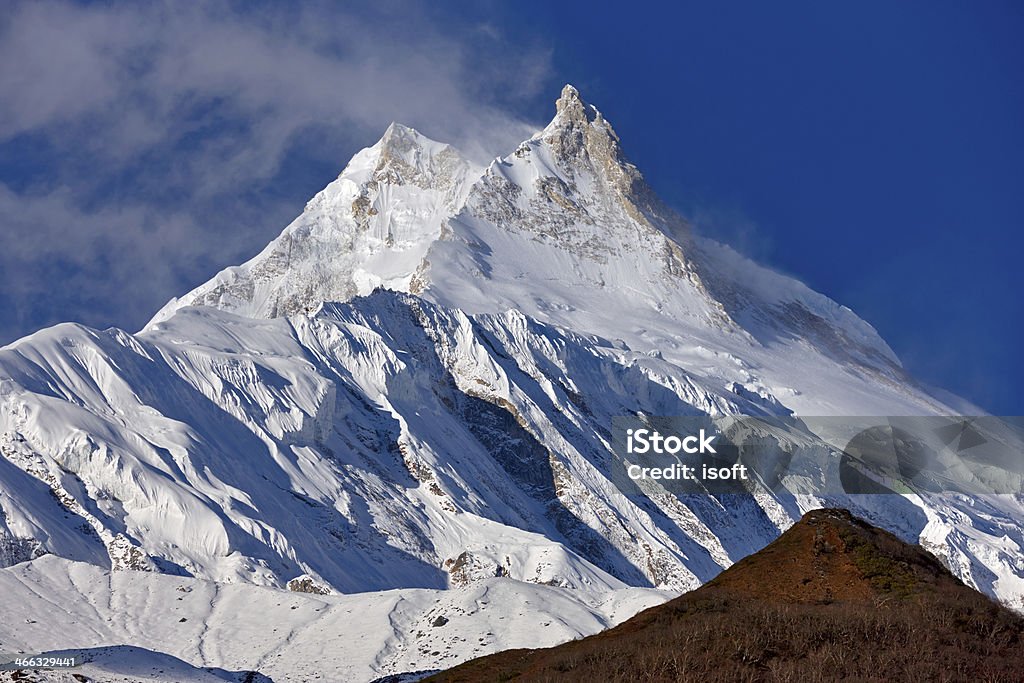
{"x":875,"y":150}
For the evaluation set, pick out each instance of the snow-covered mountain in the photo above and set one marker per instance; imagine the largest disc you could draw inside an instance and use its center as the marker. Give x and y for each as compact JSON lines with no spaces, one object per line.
{"x":413,"y":387}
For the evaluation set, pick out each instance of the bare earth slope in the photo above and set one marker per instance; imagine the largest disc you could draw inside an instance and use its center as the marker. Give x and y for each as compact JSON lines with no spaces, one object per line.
{"x":832,"y":599}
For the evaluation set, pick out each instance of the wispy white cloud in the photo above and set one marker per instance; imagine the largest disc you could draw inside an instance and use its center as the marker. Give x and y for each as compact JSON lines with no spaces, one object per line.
{"x":102,"y":266}
{"x":128,"y":77}
{"x":165,"y":121}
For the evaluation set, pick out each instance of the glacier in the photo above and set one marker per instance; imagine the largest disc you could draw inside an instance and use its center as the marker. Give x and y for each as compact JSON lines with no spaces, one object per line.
{"x":411,"y":389}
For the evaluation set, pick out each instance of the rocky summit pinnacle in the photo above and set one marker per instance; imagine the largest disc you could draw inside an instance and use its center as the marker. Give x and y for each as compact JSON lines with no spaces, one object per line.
{"x":571,"y":104}
{"x":576,"y":121}
{"x":580,"y":136}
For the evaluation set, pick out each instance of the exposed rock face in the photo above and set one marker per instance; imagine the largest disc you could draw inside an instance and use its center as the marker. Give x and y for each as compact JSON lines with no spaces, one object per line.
{"x":306,"y":584}
{"x":468,"y":569}
{"x":15,"y":550}
{"x":580,"y":137}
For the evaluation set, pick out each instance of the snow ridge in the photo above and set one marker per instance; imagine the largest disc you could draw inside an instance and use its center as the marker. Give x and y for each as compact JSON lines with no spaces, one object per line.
{"x":412,"y":387}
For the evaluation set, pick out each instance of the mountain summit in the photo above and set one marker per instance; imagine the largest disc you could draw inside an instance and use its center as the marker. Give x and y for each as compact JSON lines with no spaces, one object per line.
{"x":563,"y":229}
{"x":375,"y":224}
{"x":580,"y":135}
{"x":369,"y":228}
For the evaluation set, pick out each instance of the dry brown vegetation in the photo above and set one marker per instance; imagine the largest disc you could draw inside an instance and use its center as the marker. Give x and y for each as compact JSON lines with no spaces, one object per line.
{"x":832,"y":599}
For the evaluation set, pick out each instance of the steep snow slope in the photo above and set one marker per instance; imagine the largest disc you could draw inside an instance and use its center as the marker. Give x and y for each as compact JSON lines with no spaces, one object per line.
{"x":443,"y":419}
{"x":383,"y":443}
{"x":389,"y":442}
{"x":165,"y":628}
{"x":371,"y":227}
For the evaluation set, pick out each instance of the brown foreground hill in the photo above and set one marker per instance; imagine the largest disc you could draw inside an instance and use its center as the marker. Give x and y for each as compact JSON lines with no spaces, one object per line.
{"x":833,"y":598}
